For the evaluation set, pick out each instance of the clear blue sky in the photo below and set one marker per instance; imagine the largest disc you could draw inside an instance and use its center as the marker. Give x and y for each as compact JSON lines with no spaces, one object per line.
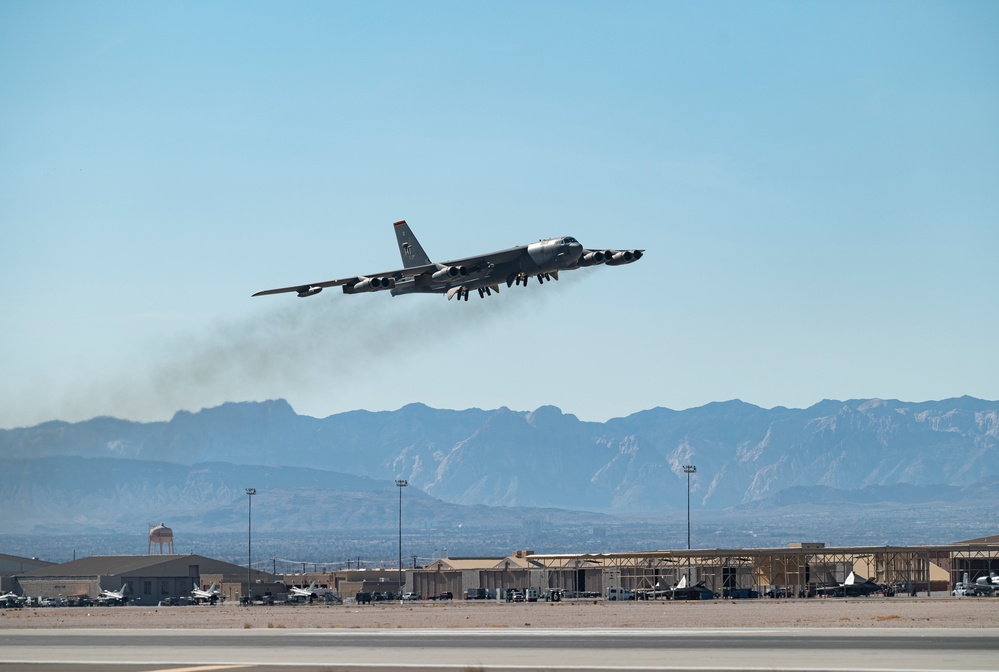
{"x":816,"y":186}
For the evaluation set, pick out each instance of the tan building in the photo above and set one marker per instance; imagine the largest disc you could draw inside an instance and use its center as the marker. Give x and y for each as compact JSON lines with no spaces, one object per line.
{"x":346,"y":583}
{"x":520,"y":571}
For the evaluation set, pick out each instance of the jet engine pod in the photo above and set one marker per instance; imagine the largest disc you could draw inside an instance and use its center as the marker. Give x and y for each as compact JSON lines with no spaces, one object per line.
{"x":449,"y":273}
{"x":370,"y":285}
{"x":309,"y":291}
{"x":592,"y":258}
{"x":624,"y":257}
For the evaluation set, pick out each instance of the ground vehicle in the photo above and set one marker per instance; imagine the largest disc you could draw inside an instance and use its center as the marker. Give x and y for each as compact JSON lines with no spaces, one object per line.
{"x":554,"y":595}
{"x":409,"y":597}
{"x":446,"y":595}
{"x":619,"y":594}
{"x":964,"y":590}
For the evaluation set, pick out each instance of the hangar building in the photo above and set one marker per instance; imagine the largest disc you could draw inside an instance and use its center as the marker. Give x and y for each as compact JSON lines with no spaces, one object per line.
{"x":11,"y":566}
{"x":148,"y":579}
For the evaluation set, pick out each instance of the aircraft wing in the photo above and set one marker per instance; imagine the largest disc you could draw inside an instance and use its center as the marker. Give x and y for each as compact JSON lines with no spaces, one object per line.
{"x":308,"y":288}
{"x":387,"y":279}
{"x":311,"y":288}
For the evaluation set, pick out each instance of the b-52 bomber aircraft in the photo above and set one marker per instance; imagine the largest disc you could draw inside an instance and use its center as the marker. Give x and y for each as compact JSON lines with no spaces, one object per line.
{"x":483,"y":273}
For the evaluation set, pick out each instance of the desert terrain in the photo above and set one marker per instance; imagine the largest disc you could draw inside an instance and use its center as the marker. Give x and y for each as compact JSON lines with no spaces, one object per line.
{"x":812,"y":613}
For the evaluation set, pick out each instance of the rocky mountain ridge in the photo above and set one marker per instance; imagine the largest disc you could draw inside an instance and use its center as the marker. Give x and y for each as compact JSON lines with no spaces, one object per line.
{"x":746,"y":456}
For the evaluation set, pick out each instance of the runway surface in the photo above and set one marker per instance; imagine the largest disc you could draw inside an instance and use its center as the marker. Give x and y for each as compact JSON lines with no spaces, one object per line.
{"x":499,"y":649}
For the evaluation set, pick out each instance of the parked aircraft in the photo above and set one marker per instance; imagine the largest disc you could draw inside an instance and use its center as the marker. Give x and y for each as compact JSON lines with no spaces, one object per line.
{"x":209,"y":595}
{"x":684,"y":591}
{"x":483,"y":273}
{"x":992,"y":580}
{"x":310,"y":593}
{"x":117,"y":596}
{"x":854,"y":586}
{"x":983,"y":585}
{"x":10,"y":600}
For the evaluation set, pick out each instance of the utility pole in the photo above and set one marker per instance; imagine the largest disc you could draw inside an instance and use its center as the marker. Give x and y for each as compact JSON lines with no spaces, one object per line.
{"x":688,"y":469}
{"x":401,"y":483}
{"x":250,"y":492}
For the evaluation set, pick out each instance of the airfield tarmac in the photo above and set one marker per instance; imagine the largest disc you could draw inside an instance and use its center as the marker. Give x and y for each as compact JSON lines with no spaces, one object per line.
{"x":819,"y":634}
{"x":896,"y":612}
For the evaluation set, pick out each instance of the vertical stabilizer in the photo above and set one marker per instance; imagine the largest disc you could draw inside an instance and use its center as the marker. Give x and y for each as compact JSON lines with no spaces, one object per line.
{"x":409,"y":247}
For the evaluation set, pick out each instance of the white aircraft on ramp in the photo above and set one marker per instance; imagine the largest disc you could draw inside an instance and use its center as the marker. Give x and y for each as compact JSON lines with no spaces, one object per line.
{"x":209,"y":595}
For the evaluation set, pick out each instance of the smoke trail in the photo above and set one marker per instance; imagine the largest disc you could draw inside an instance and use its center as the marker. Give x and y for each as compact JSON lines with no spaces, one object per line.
{"x":299,"y":345}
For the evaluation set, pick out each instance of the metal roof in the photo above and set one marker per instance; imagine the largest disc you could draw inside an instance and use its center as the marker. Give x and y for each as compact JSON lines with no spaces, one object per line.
{"x":976,"y":545}
{"x":14,"y":564}
{"x":115,"y":565}
{"x":508,"y":562}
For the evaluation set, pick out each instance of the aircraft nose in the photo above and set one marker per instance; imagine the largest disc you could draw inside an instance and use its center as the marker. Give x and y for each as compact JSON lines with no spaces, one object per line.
{"x":573,"y":252}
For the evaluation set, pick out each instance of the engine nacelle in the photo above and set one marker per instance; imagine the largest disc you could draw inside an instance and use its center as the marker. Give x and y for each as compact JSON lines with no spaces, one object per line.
{"x":624,"y":257}
{"x":369,"y":285}
{"x":449,"y":273}
{"x":594,"y":257}
{"x":309,"y":291}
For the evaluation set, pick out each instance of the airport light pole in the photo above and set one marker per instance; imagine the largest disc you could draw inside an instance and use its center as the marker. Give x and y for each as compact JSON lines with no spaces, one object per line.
{"x":401,"y":483}
{"x":250,"y":492}
{"x":688,"y":469}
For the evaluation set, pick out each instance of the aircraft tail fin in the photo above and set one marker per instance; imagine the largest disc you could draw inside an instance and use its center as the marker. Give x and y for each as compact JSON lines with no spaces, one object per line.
{"x":409,"y":247}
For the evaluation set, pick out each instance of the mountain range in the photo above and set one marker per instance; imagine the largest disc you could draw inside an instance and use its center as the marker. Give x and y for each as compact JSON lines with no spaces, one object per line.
{"x":493,"y":466}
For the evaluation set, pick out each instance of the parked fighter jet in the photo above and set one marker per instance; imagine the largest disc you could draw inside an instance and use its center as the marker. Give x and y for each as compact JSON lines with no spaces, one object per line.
{"x":11,"y":601}
{"x":209,"y":595}
{"x":987,"y":584}
{"x":684,"y":591}
{"x":991,"y":580}
{"x":114,"y":596}
{"x":483,"y":273}
{"x":854,"y":586}
{"x":311,"y":593}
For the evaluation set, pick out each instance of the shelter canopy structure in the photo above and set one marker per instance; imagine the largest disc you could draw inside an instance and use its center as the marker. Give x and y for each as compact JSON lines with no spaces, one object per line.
{"x":781,"y":572}
{"x":795,"y":571}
